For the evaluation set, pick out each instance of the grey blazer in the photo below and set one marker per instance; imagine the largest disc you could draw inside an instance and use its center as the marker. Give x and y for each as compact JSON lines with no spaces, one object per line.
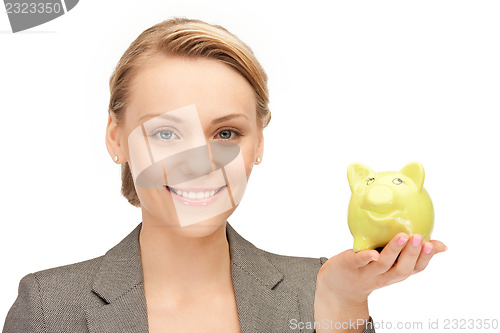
{"x":106,"y":294}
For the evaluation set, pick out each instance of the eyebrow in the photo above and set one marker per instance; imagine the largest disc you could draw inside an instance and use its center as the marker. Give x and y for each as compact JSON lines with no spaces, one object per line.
{"x":179,"y":120}
{"x":161,"y":115}
{"x":228,"y":117}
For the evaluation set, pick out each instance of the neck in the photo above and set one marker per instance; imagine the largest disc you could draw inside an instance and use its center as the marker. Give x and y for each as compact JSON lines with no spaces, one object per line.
{"x":180,"y":265}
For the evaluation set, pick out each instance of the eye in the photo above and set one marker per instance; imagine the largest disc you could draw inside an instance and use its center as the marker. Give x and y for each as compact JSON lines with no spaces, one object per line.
{"x":228,"y":134}
{"x":164,"y":134}
{"x":397,"y":181}
{"x":225,"y":134}
{"x":370,"y":181}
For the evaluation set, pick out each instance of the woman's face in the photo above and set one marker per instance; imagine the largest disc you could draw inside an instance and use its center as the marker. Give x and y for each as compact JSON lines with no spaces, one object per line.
{"x":191,"y":138}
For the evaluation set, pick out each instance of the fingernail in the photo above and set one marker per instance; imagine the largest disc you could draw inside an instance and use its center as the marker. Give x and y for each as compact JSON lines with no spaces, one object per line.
{"x":373,"y":259}
{"x":417,"y":240}
{"x":402,"y":240}
{"x":427,"y":248}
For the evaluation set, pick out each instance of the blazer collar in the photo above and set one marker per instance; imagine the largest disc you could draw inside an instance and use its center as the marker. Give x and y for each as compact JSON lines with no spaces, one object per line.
{"x":119,"y":283}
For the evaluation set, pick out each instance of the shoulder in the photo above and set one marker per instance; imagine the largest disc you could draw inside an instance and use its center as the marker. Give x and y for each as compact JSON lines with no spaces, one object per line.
{"x":293,"y":272}
{"x":77,"y":280}
{"x":74,"y":277}
{"x":299,"y":273}
{"x":292,"y":266}
{"x":295,"y":268}
{"x":46,"y":296}
{"x":71,"y":284}
{"x":79,"y":277}
{"x":60,"y":295}
{"x":36,"y":305}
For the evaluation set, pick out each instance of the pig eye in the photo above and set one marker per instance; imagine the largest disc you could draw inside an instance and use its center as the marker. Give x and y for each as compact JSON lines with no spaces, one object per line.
{"x":370,"y":180}
{"x":397,"y":181}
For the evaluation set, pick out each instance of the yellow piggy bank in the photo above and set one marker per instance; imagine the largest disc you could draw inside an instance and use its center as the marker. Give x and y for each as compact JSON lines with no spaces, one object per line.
{"x":386,"y":203}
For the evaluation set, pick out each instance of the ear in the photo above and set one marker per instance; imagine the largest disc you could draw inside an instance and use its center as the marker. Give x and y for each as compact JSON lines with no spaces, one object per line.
{"x":260,"y":145}
{"x":414,"y":171}
{"x":356,"y":172}
{"x":113,"y":140}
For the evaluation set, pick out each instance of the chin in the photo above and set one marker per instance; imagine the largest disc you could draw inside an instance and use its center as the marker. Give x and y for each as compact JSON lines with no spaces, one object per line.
{"x":206,"y":227}
{"x":195,"y":230}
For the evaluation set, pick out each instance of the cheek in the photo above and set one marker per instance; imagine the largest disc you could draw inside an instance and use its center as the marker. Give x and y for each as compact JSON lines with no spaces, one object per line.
{"x":248,"y":153}
{"x":158,"y":203}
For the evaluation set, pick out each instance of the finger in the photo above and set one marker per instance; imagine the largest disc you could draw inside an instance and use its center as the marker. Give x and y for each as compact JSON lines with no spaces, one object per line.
{"x":425,"y":256}
{"x":406,"y":262}
{"x":363,"y":258}
{"x":438,"y":246}
{"x":389,"y":254}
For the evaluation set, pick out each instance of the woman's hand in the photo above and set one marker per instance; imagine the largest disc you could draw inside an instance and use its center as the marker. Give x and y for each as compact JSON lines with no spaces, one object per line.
{"x":346,"y":280}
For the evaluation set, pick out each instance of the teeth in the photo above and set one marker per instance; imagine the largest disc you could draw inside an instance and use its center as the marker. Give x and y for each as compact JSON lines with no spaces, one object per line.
{"x":195,"y":195}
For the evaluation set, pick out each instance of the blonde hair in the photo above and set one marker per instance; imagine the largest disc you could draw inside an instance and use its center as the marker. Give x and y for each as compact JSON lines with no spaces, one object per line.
{"x":187,"y":38}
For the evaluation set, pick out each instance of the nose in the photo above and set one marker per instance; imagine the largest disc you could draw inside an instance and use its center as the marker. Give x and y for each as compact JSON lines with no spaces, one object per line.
{"x":194,"y":163}
{"x":188,"y":165}
{"x":380,"y":196}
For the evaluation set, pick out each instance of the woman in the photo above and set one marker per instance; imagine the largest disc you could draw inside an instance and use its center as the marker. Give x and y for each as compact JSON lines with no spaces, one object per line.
{"x":188,"y":105}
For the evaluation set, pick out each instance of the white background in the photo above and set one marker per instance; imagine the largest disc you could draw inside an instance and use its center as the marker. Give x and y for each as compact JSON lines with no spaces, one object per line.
{"x":378,"y":82}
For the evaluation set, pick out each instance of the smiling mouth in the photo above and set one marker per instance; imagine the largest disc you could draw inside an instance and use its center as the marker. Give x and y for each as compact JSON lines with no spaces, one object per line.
{"x":382,"y":216}
{"x":195,"y":194}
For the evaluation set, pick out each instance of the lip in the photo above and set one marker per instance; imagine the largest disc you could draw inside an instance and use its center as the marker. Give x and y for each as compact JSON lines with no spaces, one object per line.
{"x":196,"y":202}
{"x":383,"y":216}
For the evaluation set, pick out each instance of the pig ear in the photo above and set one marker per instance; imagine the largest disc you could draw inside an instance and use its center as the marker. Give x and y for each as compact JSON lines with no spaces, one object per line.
{"x":356,"y":172}
{"x":414,"y":171}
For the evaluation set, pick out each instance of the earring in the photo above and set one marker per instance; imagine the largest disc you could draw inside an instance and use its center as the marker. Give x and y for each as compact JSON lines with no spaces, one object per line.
{"x":115,"y":158}
{"x":258,"y":159}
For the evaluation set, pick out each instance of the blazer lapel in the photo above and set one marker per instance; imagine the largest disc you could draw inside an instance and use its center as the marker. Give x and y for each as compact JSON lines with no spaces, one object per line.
{"x":262,"y":307}
{"x":119,"y":283}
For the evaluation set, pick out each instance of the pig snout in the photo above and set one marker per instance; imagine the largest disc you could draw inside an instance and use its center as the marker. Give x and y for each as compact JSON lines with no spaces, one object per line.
{"x":379,"y":199}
